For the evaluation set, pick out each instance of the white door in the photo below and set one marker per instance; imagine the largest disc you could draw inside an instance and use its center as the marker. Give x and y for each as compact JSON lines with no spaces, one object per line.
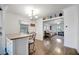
{"x":70,"y":27}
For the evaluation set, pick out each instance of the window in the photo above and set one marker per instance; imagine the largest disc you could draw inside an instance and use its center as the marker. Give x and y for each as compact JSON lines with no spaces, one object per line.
{"x":23,"y":28}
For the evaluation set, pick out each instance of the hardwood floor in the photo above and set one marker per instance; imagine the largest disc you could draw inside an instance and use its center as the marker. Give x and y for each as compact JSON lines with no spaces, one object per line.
{"x":53,"y":47}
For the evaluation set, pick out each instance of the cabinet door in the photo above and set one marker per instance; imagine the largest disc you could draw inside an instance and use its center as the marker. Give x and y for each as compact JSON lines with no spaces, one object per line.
{"x":21,"y":46}
{"x":9,"y":46}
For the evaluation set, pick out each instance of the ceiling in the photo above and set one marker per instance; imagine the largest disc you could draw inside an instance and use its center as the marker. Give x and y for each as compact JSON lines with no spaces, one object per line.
{"x":45,"y":9}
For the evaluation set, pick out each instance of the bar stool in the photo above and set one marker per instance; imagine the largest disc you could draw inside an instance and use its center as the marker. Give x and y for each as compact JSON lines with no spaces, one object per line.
{"x":32,"y":43}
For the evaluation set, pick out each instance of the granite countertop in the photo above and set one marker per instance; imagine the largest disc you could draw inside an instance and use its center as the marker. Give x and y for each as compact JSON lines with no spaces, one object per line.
{"x":17,"y":36}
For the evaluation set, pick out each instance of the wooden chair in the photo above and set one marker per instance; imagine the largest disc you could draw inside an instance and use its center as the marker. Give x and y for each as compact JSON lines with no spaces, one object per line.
{"x":32,"y":43}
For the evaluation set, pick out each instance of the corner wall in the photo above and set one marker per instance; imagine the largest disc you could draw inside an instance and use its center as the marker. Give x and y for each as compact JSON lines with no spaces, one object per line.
{"x":39,"y":29}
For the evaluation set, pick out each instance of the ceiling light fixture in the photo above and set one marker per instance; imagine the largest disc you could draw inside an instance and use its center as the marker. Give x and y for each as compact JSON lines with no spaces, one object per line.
{"x":32,"y":13}
{"x":36,"y":16}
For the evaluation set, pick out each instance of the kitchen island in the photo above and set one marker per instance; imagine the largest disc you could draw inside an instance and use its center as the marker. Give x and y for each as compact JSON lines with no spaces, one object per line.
{"x":17,"y":44}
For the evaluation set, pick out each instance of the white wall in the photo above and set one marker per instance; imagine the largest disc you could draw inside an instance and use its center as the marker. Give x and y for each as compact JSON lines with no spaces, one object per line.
{"x":71,"y":31}
{"x":78,"y":31}
{"x":12,"y":23}
{"x":39,"y":29}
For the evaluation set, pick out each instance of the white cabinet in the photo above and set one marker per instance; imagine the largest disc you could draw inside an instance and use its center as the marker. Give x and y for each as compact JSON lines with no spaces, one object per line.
{"x":21,"y":46}
{"x":71,"y":27}
{"x":17,"y":46}
{"x":10,"y":46}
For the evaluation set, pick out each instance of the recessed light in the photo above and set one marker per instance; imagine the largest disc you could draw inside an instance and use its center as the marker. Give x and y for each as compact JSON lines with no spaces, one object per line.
{"x":36,"y":16}
{"x":58,"y":22}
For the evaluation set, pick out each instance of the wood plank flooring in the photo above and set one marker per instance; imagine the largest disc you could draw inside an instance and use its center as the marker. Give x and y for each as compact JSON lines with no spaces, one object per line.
{"x":53,"y":47}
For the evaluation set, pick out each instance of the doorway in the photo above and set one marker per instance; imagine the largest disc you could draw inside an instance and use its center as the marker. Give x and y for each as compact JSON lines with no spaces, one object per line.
{"x":54,"y":35}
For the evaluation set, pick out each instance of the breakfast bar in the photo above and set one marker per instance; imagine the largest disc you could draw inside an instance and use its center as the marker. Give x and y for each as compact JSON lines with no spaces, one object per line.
{"x":17,"y":44}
